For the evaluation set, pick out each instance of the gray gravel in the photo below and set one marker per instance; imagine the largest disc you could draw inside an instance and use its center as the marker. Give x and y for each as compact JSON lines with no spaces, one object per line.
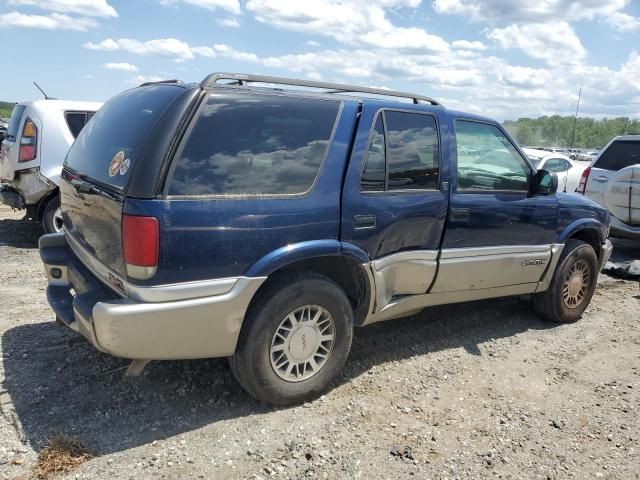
{"x":479,"y":390}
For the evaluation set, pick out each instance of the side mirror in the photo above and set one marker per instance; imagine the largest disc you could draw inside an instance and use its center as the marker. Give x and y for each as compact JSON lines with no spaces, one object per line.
{"x":544,"y":183}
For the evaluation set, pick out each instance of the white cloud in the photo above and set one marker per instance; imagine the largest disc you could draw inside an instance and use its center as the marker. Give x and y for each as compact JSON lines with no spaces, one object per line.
{"x":124,"y":67}
{"x":139,"y":79}
{"x":54,"y":21}
{"x":467,"y":45}
{"x":228,"y":22}
{"x":232,"y":6}
{"x":355,"y":22}
{"x":88,"y":8}
{"x":204,"y":51}
{"x":624,"y":22}
{"x":541,"y":11}
{"x":553,"y":42}
{"x":172,"y":48}
{"x":312,"y":43}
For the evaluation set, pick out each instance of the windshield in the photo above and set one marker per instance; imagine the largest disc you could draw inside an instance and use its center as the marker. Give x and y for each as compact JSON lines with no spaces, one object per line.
{"x":108,"y":146}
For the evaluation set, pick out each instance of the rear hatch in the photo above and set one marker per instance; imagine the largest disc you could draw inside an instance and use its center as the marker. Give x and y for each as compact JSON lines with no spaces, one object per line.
{"x":9,"y":149}
{"x":98,"y":170}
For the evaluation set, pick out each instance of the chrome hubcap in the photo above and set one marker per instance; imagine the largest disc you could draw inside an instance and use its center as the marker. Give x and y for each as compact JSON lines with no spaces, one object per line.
{"x":576,"y":284}
{"x":57,"y":220}
{"x":302,"y":343}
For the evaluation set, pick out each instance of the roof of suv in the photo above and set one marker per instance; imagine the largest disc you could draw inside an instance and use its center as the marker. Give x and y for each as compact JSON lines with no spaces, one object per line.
{"x":627,"y":138}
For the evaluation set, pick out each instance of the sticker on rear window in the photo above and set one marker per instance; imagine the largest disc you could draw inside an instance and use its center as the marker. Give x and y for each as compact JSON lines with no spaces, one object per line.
{"x":126,"y":163}
{"x":116,"y":163}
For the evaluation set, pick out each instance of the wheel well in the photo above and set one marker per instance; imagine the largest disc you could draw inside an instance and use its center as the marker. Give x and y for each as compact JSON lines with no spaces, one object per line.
{"x":44,"y":200}
{"x":589,"y":236}
{"x":347,"y":273}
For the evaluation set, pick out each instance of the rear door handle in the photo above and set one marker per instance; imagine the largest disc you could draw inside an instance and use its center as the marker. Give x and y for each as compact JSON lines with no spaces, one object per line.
{"x":601,"y":179}
{"x":363,"y":222}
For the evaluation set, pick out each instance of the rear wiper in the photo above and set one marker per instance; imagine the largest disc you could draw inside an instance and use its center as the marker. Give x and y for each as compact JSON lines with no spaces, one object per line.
{"x":83,"y":187}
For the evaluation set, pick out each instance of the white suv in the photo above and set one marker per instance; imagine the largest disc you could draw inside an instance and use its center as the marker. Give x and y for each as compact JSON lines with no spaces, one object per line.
{"x":38,"y":138}
{"x":613,"y":180}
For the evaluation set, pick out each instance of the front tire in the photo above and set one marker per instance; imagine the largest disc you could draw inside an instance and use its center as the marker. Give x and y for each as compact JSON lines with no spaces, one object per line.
{"x":572,"y":285}
{"x":295,"y":339}
{"x":52,"y":216}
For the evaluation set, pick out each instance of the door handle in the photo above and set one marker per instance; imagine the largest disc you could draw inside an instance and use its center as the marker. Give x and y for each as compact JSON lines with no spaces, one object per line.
{"x":363,"y":222}
{"x":601,"y":179}
{"x":460,"y":214}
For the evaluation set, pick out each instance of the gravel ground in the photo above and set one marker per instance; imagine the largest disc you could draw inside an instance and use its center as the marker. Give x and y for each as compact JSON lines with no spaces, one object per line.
{"x":478,"y":390}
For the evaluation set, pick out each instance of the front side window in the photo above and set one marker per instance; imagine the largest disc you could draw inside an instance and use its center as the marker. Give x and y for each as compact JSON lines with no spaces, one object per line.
{"x":487,"y":160}
{"x":244,"y":144}
{"x":403,"y":153}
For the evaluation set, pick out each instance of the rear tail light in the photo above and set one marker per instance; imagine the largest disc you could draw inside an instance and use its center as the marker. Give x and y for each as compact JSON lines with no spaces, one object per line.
{"x":140,"y":245}
{"x":28,"y":142}
{"x":582,"y":187}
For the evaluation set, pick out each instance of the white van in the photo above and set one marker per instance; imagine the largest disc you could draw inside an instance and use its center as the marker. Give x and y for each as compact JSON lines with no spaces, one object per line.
{"x":38,"y":137}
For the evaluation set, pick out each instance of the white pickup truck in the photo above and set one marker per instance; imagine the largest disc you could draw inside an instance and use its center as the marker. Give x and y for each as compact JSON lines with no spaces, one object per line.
{"x":38,"y":138}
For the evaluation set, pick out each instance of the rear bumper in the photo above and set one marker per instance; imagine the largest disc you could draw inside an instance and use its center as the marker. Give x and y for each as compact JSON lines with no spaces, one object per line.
{"x":27,"y":188}
{"x":605,"y":253}
{"x":11,"y":198}
{"x":178,"y":329}
{"x":619,"y":229}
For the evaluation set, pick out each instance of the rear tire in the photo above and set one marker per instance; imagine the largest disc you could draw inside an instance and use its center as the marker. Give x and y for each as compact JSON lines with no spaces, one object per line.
{"x":52,"y":216}
{"x":295,"y":339}
{"x":572,"y":285}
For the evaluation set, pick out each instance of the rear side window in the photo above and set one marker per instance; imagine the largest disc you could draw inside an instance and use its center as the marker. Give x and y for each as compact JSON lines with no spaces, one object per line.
{"x":245,"y":144}
{"x":619,"y":155}
{"x":14,"y":122}
{"x":76,"y":121}
{"x":402,"y":154}
{"x":108,"y":147}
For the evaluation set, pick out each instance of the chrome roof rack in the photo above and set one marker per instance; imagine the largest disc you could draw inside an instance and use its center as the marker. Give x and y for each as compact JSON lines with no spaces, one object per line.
{"x":244,"y":79}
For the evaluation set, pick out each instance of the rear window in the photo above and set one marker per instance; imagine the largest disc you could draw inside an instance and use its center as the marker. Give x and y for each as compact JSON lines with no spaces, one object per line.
{"x":108,"y":147}
{"x":246,"y":144}
{"x":619,"y":155}
{"x":76,"y":121}
{"x":14,"y":122}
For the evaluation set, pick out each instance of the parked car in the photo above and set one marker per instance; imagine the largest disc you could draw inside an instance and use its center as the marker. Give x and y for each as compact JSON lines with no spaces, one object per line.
{"x":569,"y":171}
{"x":38,"y":137}
{"x":613,"y":180}
{"x":262,"y":224}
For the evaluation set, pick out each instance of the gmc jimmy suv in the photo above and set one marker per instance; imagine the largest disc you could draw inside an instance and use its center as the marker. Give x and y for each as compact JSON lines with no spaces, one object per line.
{"x":262,"y":224}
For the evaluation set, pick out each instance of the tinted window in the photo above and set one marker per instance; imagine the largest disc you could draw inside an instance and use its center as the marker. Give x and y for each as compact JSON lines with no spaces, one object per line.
{"x":254,"y":144}
{"x":556,"y":165}
{"x":14,"y":122}
{"x":412,"y":149}
{"x":373,"y":176}
{"x":117,"y":132}
{"x":619,"y":155}
{"x":487,"y":160}
{"x":75,"y":122}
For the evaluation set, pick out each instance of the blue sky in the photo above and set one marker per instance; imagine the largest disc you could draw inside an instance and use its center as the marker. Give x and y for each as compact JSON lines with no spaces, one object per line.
{"x":504,"y":58}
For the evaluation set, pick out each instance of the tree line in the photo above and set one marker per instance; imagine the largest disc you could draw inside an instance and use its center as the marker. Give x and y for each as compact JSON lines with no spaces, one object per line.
{"x":556,"y":131}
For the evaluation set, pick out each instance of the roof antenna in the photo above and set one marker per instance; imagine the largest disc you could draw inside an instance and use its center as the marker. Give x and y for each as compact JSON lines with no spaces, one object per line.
{"x":46,"y":97}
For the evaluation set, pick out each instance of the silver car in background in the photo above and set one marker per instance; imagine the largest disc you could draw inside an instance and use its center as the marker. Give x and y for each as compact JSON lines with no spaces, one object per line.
{"x":36,"y":143}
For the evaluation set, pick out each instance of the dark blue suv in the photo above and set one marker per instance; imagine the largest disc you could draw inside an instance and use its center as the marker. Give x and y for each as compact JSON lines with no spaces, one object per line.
{"x":262,"y":224}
